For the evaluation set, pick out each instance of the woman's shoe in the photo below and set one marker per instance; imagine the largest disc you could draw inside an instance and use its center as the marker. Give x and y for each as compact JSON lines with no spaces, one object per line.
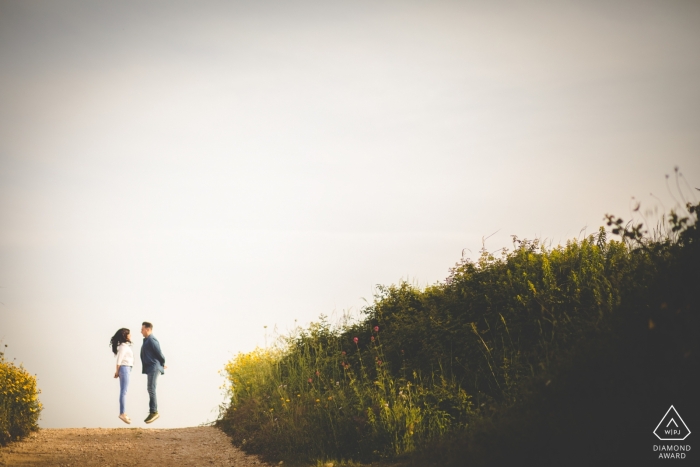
{"x":124,"y":418}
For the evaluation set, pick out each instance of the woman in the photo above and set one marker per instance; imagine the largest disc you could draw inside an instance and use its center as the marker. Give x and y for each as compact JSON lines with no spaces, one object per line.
{"x":121,"y":347}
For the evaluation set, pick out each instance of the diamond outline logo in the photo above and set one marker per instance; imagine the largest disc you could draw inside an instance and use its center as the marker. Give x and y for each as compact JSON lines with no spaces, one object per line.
{"x":674,"y":421}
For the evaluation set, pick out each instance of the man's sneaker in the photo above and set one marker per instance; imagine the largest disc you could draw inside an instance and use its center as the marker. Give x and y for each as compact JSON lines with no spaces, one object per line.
{"x":124,"y":418}
{"x":152,"y":417}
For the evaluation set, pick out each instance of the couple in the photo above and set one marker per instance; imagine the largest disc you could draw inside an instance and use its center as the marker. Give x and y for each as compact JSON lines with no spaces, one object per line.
{"x":152,"y":363}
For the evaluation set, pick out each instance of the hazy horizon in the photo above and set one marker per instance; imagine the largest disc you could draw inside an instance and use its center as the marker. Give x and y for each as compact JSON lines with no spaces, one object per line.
{"x":218,"y":167}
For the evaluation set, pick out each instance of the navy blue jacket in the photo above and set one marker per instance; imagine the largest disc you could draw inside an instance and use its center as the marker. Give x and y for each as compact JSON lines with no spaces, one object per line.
{"x":151,"y":357}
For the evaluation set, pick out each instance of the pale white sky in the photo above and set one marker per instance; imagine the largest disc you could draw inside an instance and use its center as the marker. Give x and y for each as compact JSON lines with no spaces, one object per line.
{"x":215,"y":167}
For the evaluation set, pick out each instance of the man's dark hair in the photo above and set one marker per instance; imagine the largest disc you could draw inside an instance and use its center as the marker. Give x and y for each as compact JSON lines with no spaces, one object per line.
{"x":147,"y":325}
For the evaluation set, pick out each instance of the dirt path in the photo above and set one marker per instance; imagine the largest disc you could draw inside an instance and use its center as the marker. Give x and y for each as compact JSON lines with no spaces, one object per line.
{"x":200,"y":446}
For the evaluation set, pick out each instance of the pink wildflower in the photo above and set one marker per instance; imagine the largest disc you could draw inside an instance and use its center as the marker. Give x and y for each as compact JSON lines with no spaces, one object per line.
{"x":376,"y":329}
{"x":355,"y":340}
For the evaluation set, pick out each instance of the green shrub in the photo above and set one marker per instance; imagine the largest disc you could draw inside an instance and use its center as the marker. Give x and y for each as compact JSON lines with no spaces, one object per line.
{"x":472,"y":355}
{"x":313,"y":398}
{"x":598,"y":400}
{"x":19,"y":404}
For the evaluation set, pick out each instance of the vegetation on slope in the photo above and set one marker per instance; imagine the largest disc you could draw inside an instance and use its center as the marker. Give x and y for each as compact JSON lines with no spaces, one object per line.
{"x":534,"y":354}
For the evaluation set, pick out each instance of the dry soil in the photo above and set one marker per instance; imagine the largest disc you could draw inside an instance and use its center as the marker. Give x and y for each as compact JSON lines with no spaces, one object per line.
{"x":200,"y":446}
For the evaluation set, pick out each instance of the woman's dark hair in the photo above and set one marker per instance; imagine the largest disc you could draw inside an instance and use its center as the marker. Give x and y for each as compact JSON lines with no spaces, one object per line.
{"x":118,"y":338}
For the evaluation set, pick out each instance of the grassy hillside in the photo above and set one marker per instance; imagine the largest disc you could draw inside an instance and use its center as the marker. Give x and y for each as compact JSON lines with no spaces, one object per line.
{"x":556,"y":355}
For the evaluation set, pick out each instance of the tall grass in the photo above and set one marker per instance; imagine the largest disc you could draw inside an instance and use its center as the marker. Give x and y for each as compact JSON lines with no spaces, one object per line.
{"x":19,"y":403}
{"x":327,"y":394}
{"x":426,"y":363}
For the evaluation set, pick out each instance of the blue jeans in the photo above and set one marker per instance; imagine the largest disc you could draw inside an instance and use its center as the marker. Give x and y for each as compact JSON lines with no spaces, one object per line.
{"x":124,"y":373}
{"x":151,"y":386}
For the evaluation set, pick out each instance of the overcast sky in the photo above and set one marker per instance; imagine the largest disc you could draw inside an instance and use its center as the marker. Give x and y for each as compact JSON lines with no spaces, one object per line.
{"x":216,"y":167}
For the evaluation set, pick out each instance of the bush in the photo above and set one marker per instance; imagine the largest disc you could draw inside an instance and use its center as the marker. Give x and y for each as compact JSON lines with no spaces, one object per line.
{"x":19,"y":405}
{"x":598,"y":401}
{"x":504,"y":353}
{"x":312,"y":399}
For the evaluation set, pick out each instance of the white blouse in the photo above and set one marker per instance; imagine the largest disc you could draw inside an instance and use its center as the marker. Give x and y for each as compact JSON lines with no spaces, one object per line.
{"x":125,"y":356}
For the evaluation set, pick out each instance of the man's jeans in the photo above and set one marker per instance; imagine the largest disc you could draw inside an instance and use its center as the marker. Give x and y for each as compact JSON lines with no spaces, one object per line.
{"x":124,"y":372}
{"x":151,"y":386}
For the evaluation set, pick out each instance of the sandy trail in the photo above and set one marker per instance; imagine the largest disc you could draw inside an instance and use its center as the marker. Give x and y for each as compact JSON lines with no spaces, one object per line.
{"x":200,"y":446}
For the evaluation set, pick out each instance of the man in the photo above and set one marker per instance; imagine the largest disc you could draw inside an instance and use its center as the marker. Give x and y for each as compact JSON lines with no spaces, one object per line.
{"x":153,"y":364}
